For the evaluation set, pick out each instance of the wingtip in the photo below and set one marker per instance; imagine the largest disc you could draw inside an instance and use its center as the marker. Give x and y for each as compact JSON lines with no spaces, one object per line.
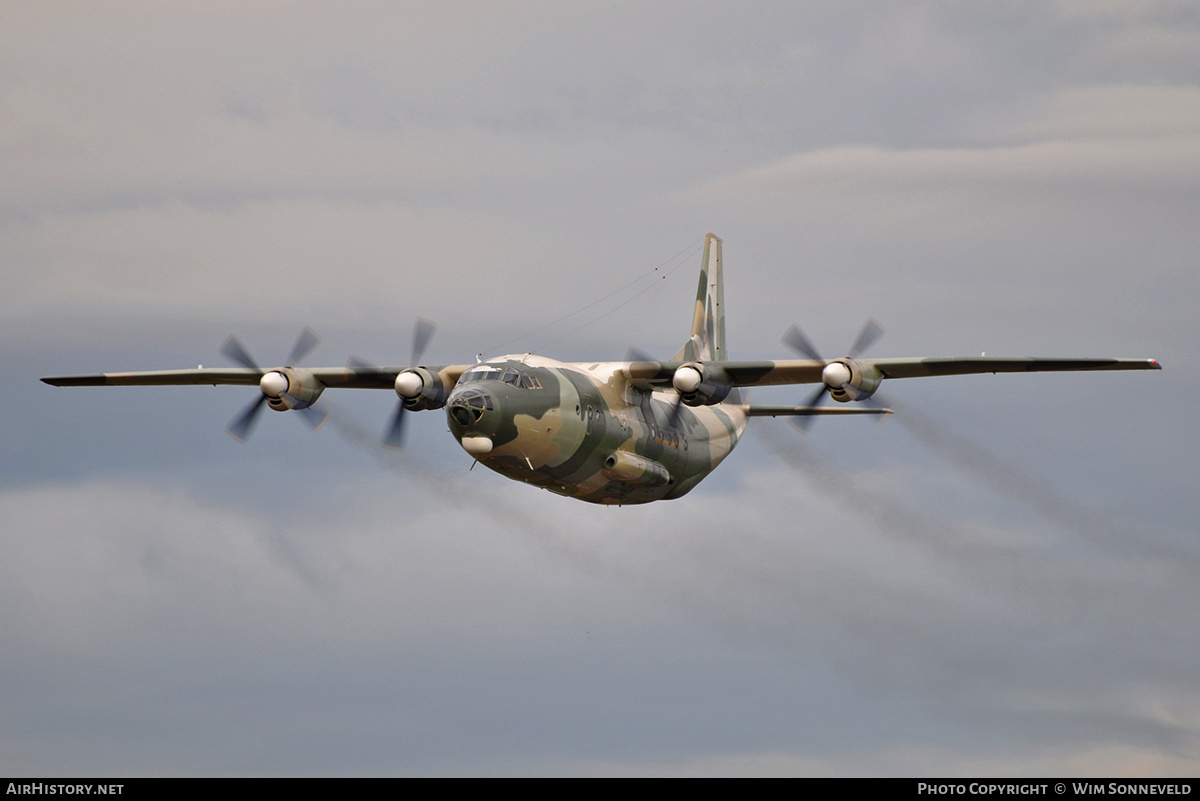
{"x":75,"y":380}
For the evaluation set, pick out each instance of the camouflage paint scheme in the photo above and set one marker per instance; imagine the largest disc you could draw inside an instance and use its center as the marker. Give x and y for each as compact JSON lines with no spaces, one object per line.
{"x":589,"y":431}
{"x":605,"y":432}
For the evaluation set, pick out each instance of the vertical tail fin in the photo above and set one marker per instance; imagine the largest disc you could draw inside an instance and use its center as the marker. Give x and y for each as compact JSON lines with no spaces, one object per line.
{"x":707,"y":341}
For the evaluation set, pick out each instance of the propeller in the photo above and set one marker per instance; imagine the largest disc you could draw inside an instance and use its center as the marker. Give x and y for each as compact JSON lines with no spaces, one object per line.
{"x":408,"y":385}
{"x":634,"y":354}
{"x":835,"y":374}
{"x":685,"y":380}
{"x":682,"y":384}
{"x":272,"y":384}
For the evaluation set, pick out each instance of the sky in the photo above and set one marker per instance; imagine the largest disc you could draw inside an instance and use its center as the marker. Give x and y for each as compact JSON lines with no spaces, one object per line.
{"x":998,"y":579}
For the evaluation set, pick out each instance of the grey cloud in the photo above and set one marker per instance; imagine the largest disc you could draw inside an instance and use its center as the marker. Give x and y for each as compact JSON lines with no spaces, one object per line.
{"x":1018,"y":179}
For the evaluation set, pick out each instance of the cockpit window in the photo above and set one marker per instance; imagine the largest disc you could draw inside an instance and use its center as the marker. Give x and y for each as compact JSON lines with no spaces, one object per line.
{"x":480,"y":374}
{"x":507,"y":375}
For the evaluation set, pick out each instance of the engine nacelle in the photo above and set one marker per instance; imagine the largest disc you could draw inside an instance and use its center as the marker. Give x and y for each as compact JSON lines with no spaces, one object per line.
{"x":422,"y":389}
{"x":850,"y":381}
{"x":289,"y":388}
{"x":700,"y":384}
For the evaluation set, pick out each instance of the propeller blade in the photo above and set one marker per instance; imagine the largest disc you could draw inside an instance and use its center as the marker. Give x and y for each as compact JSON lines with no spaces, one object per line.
{"x":871,"y":331}
{"x":233,"y":350}
{"x":635,"y":355}
{"x":241,"y":426}
{"x":673,"y":419}
{"x":394,"y":438}
{"x":876,"y":401}
{"x":795,"y":339}
{"x":422,"y":333}
{"x":307,"y":341}
{"x":802,"y":422}
{"x":314,"y":417}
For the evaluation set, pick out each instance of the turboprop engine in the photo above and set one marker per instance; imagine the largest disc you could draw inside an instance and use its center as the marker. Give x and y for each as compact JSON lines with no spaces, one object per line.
{"x":288,"y":388}
{"x":283,"y":388}
{"x":701,"y":385}
{"x":844,"y":379}
{"x":421,"y":389}
{"x":847,"y":380}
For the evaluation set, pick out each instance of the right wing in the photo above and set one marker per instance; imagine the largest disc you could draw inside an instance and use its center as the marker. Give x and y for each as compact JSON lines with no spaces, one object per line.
{"x":351,"y":377}
{"x":297,"y":388}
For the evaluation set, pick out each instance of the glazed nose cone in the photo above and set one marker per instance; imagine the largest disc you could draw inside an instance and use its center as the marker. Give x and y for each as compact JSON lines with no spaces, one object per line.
{"x":470,"y":410}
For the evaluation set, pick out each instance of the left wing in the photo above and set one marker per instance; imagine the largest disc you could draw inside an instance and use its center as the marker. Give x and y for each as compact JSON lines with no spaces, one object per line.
{"x":846,"y":379}
{"x":809,"y":371}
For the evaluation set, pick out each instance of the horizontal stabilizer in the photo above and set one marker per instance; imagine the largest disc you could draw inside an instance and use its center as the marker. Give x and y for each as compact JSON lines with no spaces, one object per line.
{"x":804,"y":411}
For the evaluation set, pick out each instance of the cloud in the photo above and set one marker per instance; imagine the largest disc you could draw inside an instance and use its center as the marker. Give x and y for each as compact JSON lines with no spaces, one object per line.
{"x":465,"y":588}
{"x":1019,"y":179}
{"x":1170,"y":159}
{"x":271,"y":261}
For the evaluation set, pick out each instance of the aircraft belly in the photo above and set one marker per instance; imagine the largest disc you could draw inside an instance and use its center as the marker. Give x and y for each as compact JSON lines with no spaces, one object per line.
{"x":717,"y":430}
{"x":706,"y":439}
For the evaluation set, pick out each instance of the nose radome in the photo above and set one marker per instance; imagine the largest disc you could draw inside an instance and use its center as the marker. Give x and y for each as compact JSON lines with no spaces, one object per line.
{"x":477,"y":446}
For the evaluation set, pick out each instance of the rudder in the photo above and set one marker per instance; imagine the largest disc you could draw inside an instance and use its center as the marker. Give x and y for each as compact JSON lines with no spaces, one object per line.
{"x":707,"y":340}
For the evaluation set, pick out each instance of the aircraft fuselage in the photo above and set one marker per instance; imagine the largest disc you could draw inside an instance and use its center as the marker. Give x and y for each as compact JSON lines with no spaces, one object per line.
{"x":585,"y":430}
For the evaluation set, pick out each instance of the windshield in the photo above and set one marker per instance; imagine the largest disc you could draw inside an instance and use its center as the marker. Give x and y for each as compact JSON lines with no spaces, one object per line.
{"x":508,"y":375}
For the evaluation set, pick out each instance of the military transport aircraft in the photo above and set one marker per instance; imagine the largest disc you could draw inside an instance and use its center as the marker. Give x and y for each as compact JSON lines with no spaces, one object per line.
{"x":605,"y":432}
